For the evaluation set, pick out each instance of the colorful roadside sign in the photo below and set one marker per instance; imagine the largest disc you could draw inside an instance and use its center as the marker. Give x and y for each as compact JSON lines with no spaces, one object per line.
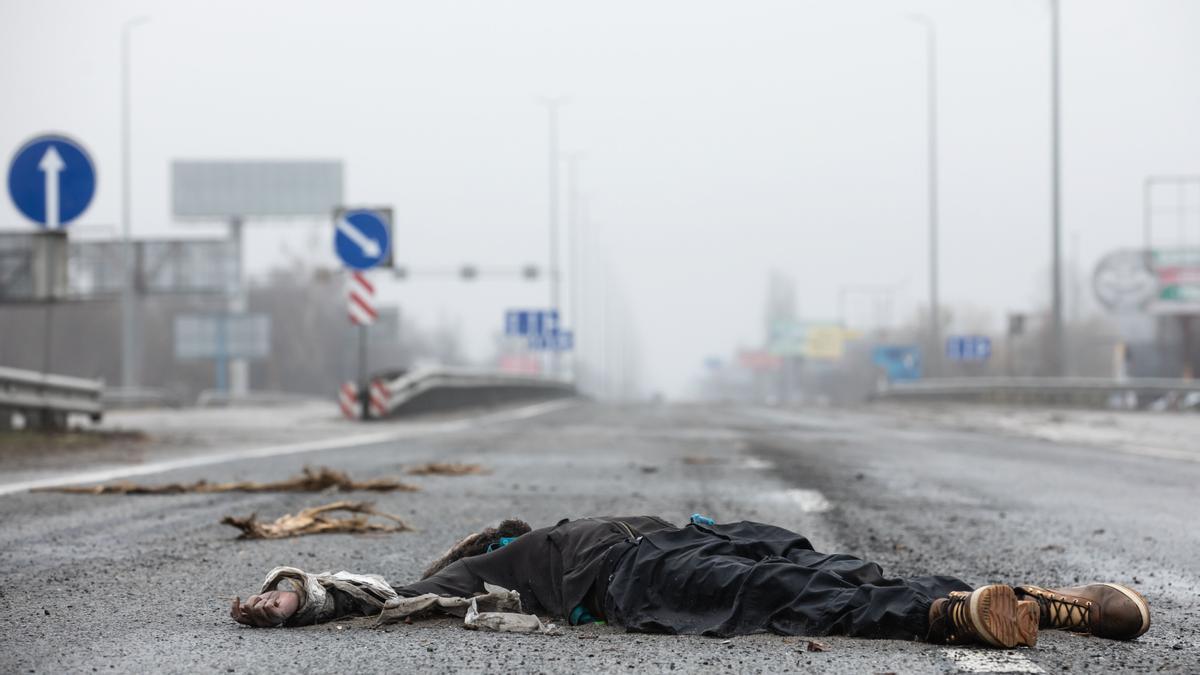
{"x":759,"y":360}
{"x":1154,"y":281}
{"x":823,"y":341}
{"x":1177,"y":272}
{"x":901,"y":363}
{"x":51,"y":180}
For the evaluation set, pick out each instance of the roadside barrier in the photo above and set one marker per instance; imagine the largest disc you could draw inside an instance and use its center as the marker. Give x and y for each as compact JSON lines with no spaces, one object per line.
{"x":45,"y":400}
{"x":1094,"y":392}
{"x":443,"y":389}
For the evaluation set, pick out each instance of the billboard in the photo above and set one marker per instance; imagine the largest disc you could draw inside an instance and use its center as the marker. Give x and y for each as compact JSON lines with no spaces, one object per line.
{"x":212,"y":336}
{"x":809,"y":339}
{"x":1155,"y":281}
{"x":208,"y":189}
{"x":1177,"y":273}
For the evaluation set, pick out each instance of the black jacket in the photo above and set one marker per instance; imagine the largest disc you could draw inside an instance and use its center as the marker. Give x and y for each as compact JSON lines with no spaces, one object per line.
{"x":555,"y":569}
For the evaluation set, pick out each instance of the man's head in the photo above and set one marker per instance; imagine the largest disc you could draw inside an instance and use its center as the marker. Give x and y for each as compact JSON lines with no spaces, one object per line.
{"x":266,"y":609}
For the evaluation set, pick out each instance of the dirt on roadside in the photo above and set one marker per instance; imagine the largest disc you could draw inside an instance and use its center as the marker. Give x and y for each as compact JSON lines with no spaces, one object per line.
{"x":21,"y":450}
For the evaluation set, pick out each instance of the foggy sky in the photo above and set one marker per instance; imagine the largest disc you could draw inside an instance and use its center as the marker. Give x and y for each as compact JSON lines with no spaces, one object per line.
{"x":721,"y":140}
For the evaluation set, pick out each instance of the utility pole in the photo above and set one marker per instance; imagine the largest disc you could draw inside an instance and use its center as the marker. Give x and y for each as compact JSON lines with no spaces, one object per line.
{"x":1058,"y":348}
{"x":573,"y":210}
{"x":552,"y":105}
{"x":129,"y":337}
{"x":931,"y":94}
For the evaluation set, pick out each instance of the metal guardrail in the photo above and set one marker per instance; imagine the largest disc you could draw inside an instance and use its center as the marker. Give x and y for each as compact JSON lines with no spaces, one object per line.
{"x":1156,"y":393}
{"x":45,"y":400}
{"x":436,"y":389}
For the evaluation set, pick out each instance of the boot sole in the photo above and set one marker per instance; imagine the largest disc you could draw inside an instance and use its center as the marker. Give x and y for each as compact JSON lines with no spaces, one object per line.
{"x":1137,"y":599}
{"x":1000,"y":620}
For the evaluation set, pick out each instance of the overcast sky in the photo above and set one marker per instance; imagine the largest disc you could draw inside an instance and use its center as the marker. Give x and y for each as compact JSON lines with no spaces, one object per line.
{"x":721,"y":139}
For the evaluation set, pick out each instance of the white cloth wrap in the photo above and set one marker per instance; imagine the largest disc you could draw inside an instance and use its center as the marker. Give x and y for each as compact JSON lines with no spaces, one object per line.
{"x":366,"y":591}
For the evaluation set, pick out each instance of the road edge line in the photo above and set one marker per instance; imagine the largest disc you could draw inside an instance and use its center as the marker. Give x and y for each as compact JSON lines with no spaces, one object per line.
{"x":428,"y":429}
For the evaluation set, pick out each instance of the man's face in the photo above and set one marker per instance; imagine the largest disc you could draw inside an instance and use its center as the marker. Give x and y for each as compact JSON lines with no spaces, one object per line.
{"x":267,"y":609}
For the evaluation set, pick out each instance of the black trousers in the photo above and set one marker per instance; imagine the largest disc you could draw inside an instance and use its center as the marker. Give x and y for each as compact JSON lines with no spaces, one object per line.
{"x":749,"y":577}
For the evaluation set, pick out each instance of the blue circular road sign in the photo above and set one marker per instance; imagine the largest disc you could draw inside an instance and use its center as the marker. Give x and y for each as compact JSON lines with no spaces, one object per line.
{"x":51,"y":180}
{"x":361,"y":239}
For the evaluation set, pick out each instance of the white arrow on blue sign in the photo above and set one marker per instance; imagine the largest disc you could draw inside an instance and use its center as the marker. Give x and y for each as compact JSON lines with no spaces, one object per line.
{"x":51,"y":180}
{"x":362,"y":237}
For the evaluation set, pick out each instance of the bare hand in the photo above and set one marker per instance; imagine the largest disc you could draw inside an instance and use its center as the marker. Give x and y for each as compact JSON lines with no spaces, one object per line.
{"x":266,"y":609}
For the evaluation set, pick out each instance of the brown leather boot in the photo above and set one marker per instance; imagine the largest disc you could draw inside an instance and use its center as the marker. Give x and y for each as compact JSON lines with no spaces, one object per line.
{"x":991,"y":615}
{"x":1105,"y":610}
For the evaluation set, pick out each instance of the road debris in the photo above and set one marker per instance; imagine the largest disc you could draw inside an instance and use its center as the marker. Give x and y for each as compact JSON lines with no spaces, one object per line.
{"x":311,"y":480}
{"x":447,"y":469}
{"x":316,"y":520}
{"x":814,"y":646}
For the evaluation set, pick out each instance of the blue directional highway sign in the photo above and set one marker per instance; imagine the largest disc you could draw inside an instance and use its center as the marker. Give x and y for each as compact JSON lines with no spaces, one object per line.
{"x":51,"y":180}
{"x":968,"y":347}
{"x":556,"y":341}
{"x":362,"y":237}
{"x":530,"y":322}
{"x":540,"y":328}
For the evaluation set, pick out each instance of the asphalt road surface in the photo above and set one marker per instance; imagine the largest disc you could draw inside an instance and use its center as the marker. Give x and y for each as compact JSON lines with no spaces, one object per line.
{"x":143,"y":583}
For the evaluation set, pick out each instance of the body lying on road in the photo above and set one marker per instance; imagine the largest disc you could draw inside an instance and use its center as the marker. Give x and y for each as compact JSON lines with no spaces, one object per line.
{"x":647,"y":575}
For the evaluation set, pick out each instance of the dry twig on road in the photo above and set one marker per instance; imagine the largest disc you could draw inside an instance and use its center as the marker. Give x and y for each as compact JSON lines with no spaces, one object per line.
{"x":447,"y":469}
{"x":316,"y":520}
{"x":311,"y":480}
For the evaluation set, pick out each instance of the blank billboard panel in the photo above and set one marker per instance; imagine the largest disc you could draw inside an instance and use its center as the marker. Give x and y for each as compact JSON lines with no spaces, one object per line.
{"x":202,"y":189}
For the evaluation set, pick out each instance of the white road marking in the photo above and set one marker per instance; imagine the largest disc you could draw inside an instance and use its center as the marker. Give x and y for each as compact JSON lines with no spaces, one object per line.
{"x":756,"y":464}
{"x":984,"y":660}
{"x":408,"y":431}
{"x":808,"y":501}
{"x":1161,"y":453}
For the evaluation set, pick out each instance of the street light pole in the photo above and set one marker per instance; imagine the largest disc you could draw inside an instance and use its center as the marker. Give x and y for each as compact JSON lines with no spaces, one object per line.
{"x":931,"y":93}
{"x":1058,"y":347}
{"x":129,"y":351}
{"x":573,"y":267}
{"x":552,"y":105}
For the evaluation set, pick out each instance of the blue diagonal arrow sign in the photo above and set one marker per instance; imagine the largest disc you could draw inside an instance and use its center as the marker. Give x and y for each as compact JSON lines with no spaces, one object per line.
{"x":362,"y":237}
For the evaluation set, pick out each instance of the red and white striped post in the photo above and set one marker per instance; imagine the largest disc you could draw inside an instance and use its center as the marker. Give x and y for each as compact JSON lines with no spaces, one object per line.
{"x":348,"y":399}
{"x":361,"y":306}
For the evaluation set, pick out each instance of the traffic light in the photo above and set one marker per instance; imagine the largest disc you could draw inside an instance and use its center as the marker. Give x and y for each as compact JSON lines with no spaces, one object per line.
{"x":468,"y":272}
{"x":530,"y":272}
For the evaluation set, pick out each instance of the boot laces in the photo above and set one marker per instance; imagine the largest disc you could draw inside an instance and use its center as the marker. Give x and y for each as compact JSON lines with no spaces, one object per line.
{"x":959,"y":624}
{"x":1066,"y":612}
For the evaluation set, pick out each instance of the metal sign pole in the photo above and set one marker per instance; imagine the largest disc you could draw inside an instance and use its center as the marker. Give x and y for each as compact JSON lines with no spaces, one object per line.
{"x":364,"y":389}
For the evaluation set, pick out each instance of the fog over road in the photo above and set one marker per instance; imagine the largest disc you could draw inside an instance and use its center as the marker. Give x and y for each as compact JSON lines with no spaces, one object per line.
{"x":143,"y":583}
